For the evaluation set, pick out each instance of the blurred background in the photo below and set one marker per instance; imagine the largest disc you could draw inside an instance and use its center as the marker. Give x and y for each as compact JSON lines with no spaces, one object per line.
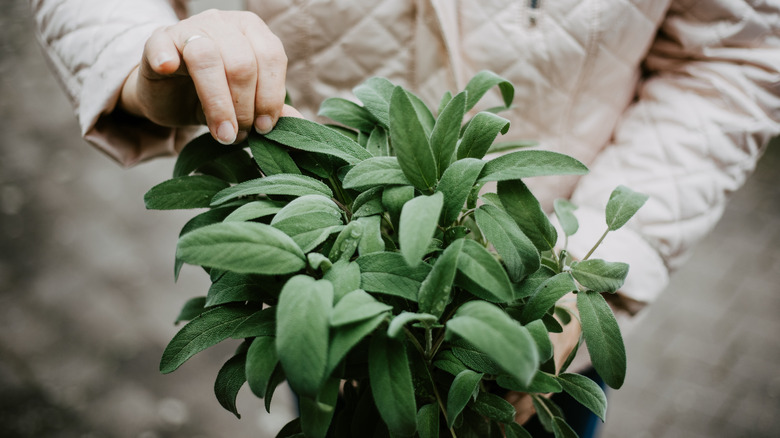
{"x":87,"y":297}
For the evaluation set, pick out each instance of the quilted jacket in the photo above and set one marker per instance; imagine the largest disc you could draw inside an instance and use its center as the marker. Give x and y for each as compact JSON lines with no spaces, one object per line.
{"x":673,"y":98}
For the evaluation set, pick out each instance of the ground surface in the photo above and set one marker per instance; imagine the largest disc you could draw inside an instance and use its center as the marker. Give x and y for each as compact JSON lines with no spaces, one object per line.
{"x":87,"y":298}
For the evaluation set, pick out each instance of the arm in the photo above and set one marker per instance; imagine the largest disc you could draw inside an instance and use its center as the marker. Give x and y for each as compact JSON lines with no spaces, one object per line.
{"x":708,"y":107}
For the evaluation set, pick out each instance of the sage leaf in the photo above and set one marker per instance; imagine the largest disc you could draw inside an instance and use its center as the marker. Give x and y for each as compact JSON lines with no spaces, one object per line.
{"x":484,"y":81}
{"x":585,"y":391}
{"x":474,"y":359}
{"x":277,"y":377}
{"x":509,"y":145}
{"x":542,"y":383}
{"x":375,"y":93}
{"x":345,"y":337}
{"x":600,"y":275}
{"x":444,"y":137}
{"x":345,"y":278}
{"x":525,"y":209}
{"x":396,"y":327}
{"x":302,"y":317}
{"x":234,"y":287}
{"x":209,"y":328}
{"x":546,"y":411}
{"x":424,"y":114}
{"x":480,"y":134}
{"x":428,"y":421}
{"x":462,"y":389}
{"x":261,"y":360}
{"x":411,"y":144}
{"x":561,"y":429}
{"x":378,"y":143}
{"x":254,"y":210}
{"x":208,"y":217}
{"x":283,"y":184}
{"x":541,"y":336}
{"x":514,"y":430}
{"x":192,"y":308}
{"x":547,"y":294}
{"x":494,"y":407}
{"x":446,"y":361}
{"x":368,"y":202}
{"x":356,"y":306}
{"x":347,"y":113}
{"x":308,"y":220}
{"x":232,"y":167}
{"x":622,"y":205}
{"x":417,"y":226}
{"x":184,"y":192}
{"x":456,"y":184}
{"x":271,"y":157}
{"x":391,"y":384}
{"x":564,"y":210}
{"x":312,"y":137}
{"x":371,"y":241}
{"x":482,"y":274}
{"x":530,"y":163}
{"x":243,"y":247}
{"x":489,"y":329}
{"x":603,"y":338}
{"x":434,"y":293}
{"x":198,"y":152}
{"x":375,"y":172}
{"x":388,"y":273}
{"x":230,"y":378}
{"x":518,"y":253}
{"x":346,"y":242}
{"x":260,"y":323}
{"x":317,"y":412}
{"x":394,"y":198}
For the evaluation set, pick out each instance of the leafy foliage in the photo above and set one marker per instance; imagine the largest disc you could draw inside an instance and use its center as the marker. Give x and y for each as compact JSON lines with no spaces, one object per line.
{"x":358,"y":253}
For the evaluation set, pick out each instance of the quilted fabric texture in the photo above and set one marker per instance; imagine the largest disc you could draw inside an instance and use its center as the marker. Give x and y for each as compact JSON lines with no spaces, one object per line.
{"x":673,"y":98}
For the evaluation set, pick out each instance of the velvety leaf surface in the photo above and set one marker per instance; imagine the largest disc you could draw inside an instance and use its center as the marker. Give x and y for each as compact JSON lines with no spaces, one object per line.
{"x":603,"y":338}
{"x":435,"y":289}
{"x":391,"y":384}
{"x":518,"y":253}
{"x":283,"y":184}
{"x":261,"y":360}
{"x":184,"y":192}
{"x":271,"y":157}
{"x":480,"y":134}
{"x":388,"y":273}
{"x":254,"y":210}
{"x":525,"y":209}
{"x":444,"y":137}
{"x":418,"y":222}
{"x":622,"y":205}
{"x":547,"y":294}
{"x":230,"y":379}
{"x":585,"y":391}
{"x":456,"y":184}
{"x":347,"y":113}
{"x":482,"y":274}
{"x":312,"y":137}
{"x":411,"y":144}
{"x":373,"y":172}
{"x":564,"y":210}
{"x":461,"y":390}
{"x":600,"y":275}
{"x":356,"y":306}
{"x":484,"y":81}
{"x":530,"y":163}
{"x":376,"y":93}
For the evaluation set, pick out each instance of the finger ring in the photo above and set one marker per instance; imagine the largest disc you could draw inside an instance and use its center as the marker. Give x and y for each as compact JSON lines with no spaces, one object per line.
{"x":190,"y":39}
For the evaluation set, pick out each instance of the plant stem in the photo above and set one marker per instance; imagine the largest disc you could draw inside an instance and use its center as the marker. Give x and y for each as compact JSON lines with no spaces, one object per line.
{"x":442,"y":408}
{"x":415,"y":342}
{"x":601,"y":239}
{"x":428,"y":344}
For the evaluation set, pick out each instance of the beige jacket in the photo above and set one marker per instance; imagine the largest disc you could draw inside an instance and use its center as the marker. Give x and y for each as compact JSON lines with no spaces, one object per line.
{"x":673,"y":98}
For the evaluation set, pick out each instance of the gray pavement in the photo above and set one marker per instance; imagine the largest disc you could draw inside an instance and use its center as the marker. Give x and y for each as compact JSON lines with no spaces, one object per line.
{"x":87,"y":298}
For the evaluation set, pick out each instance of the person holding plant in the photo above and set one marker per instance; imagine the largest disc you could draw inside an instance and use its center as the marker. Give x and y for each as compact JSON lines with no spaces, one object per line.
{"x":675,"y":99}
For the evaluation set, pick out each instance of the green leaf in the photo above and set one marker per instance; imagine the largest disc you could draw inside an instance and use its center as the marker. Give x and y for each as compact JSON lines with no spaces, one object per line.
{"x":309,"y":136}
{"x":482,"y":82}
{"x":503,"y":146}
{"x":546,"y":410}
{"x":603,"y":338}
{"x":490,"y":330}
{"x":564,"y":210}
{"x":417,"y":226}
{"x":317,"y":412}
{"x":622,"y":205}
{"x":375,"y":93}
{"x":283,"y":184}
{"x":260,"y":323}
{"x":518,"y":253}
{"x":345,"y":278}
{"x":368,"y":202}
{"x":526,"y":164}
{"x":463,"y":388}
{"x":528,"y":286}
{"x":428,"y":421}
{"x":411,"y":144}
{"x":206,"y":218}
{"x":184,"y":192}
{"x":209,"y":328}
{"x":371,"y":241}
{"x":474,"y":359}
{"x":302,"y":332}
{"x":388,"y":273}
{"x":391,"y":384}
{"x":346,"y":242}
{"x":434,"y":293}
{"x":272,"y":158}
{"x":600,"y":275}
{"x":378,"y":143}
{"x":233,"y":167}
{"x":424,"y":114}
{"x":261,"y":360}
{"x":345,"y":337}
{"x":394,"y":198}
{"x":542,"y":338}
{"x":494,"y":407}
{"x":525,"y":209}
{"x":308,"y":220}
{"x":347,"y":113}
{"x":276,"y":379}
{"x":375,"y":172}
{"x":396,"y":327}
{"x":356,"y":306}
{"x":561,"y":429}
{"x":480,"y":134}
{"x":448,"y":362}
{"x":230,"y":379}
{"x":482,"y":274}
{"x":243,"y":247}
{"x":198,"y":152}
{"x":456,"y":184}
{"x":547,"y":294}
{"x":254,"y":210}
{"x":192,"y":308}
{"x":514,"y":430}
{"x":542,"y":383}
{"x":585,"y":391}
{"x":233,"y":287}
{"x":444,"y":137}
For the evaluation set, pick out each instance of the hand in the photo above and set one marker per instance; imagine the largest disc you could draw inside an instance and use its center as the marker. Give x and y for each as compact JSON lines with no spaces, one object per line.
{"x":222,"y":68}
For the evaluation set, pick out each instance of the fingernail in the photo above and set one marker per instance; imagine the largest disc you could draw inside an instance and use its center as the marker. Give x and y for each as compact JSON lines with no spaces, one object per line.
{"x":225,"y":133}
{"x":242,"y":135}
{"x":162,"y":58}
{"x":263,"y":124}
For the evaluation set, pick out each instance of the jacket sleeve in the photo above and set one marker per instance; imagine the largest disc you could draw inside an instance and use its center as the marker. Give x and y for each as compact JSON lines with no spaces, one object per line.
{"x":92,"y":46}
{"x":707,"y":108}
